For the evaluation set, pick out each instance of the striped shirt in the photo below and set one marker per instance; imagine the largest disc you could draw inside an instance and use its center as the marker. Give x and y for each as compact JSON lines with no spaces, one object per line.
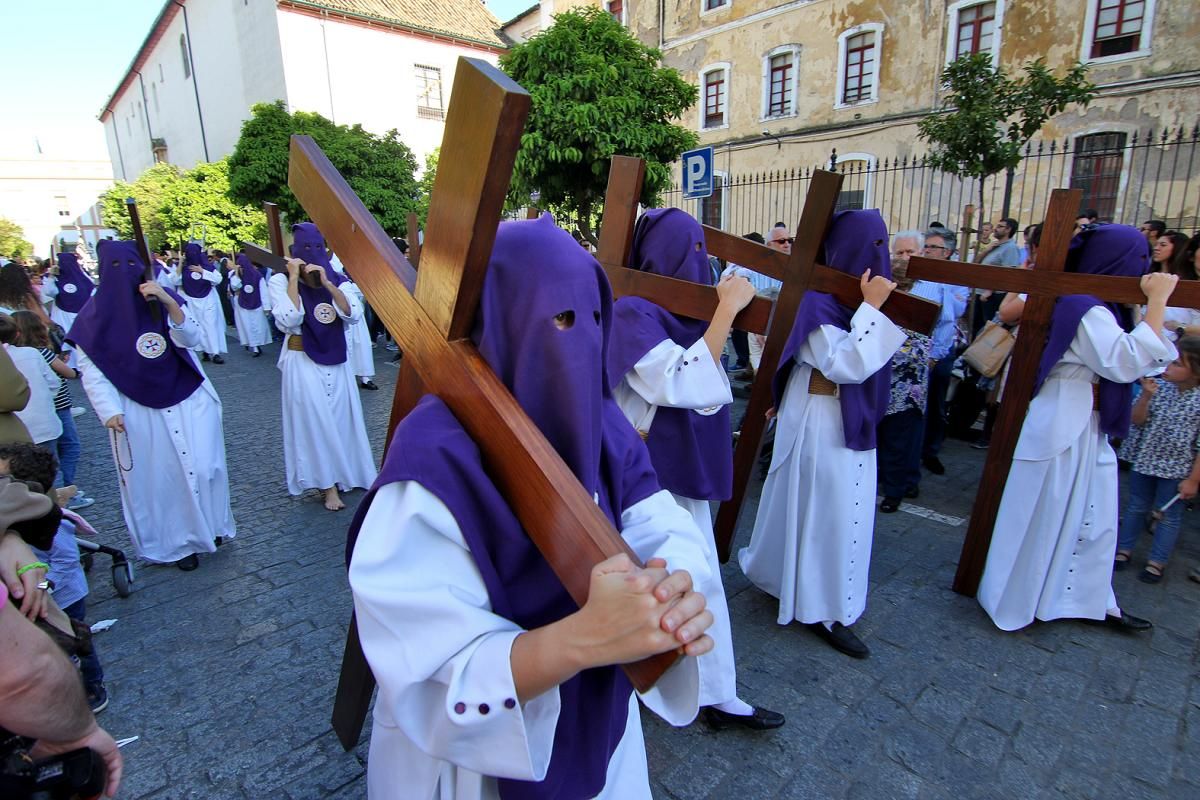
{"x":62,"y":399}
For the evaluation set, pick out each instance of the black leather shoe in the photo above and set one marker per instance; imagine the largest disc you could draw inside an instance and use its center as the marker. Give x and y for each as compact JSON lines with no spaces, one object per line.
{"x":204,"y":356}
{"x":841,"y":639}
{"x":934,"y":465}
{"x":913,"y":493}
{"x":188,"y":563}
{"x":256,"y":354}
{"x":370,"y":385}
{"x":1127,"y":623}
{"x":761,"y":720}
{"x":217,"y":359}
{"x":890,"y":505}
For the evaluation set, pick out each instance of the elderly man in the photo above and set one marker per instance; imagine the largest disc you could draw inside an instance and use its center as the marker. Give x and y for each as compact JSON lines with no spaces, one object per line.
{"x":940,"y":243}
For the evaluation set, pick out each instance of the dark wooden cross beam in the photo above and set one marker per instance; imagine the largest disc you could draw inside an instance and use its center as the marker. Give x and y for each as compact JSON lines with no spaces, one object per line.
{"x":143,"y":248}
{"x":797,"y":273}
{"x":431,"y":313}
{"x":1044,"y":284}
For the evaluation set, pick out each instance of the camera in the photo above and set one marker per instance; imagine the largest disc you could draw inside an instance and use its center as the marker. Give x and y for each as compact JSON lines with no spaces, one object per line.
{"x":77,"y":775}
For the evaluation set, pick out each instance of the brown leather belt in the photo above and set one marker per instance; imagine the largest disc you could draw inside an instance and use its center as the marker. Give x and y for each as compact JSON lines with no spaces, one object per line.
{"x":1095,"y":397}
{"x":644,"y":434}
{"x":819,"y":384}
{"x":294,"y":342}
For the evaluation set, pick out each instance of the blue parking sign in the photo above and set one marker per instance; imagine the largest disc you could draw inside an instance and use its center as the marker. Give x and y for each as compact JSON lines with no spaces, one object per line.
{"x":697,"y":173}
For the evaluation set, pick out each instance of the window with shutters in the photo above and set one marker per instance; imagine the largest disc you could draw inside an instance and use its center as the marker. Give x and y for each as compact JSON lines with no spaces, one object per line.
{"x":429,"y":92}
{"x":858,"y":65}
{"x":1117,"y":29}
{"x":780,"y":69}
{"x":1099,"y":160}
{"x":714,"y":82}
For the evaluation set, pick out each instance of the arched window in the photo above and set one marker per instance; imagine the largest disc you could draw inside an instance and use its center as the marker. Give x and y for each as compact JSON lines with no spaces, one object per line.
{"x":781,"y":68}
{"x":858,"y":65}
{"x":183,"y":52}
{"x":714,"y":92}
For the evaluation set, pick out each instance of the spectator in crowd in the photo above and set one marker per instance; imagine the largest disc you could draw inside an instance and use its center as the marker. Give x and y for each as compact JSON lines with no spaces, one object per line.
{"x":1086,"y":217}
{"x":780,"y":240}
{"x":940,"y":242}
{"x":29,"y":462}
{"x":18,"y":293}
{"x":14,"y":396}
{"x":1152,"y":229}
{"x":1004,"y":253}
{"x":32,"y":333}
{"x":1171,"y":246}
{"x":1163,"y":450}
{"x":762,"y":285}
{"x":38,"y":416}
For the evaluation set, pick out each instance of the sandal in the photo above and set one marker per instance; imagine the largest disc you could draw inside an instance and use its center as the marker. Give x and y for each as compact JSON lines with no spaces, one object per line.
{"x":1153,"y":573}
{"x":1121,"y":561}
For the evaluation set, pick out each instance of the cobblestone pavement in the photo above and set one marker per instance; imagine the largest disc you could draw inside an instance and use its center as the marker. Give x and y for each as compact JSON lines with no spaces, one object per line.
{"x":227,"y":673}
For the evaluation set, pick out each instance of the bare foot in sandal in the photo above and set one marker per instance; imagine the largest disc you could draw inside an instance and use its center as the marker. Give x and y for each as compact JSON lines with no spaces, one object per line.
{"x":1153,"y":573}
{"x":1121,"y":561}
{"x":333,"y":501}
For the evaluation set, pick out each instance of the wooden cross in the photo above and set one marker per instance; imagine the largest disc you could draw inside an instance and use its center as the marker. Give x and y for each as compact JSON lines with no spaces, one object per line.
{"x":1044,"y":284}
{"x":430,"y":315}
{"x":797,"y":273}
{"x":143,"y":248}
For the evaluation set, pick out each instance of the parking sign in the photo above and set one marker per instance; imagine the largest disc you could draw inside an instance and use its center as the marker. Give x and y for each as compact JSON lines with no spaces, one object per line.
{"x":697,"y":173}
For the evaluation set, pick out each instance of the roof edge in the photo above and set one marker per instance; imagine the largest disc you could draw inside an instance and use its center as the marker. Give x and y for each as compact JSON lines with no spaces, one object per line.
{"x":314,"y":5}
{"x":522,"y":15}
{"x":169,"y":10}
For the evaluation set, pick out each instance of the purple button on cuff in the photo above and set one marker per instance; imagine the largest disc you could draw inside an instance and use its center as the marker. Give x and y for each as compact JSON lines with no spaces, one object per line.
{"x":460,"y":708}
{"x":484,"y":708}
{"x":510,"y":703}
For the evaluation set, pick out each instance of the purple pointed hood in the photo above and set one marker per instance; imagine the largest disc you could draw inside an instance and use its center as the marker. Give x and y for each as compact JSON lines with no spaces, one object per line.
{"x":857,"y":241}
{"x":127,"y":339}
{"x":691,"y":452}
{"x":194,"y":284}
{"x":74,"y":286}
{"x":249,"y":296}
{"x":322,"y":332}
{"x":1115,"y":250}
{"x":308,"y":245}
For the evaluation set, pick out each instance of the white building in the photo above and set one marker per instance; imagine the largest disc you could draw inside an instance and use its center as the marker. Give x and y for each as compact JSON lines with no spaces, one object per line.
{"x":380,"y":63}
{"x":44,"y":193}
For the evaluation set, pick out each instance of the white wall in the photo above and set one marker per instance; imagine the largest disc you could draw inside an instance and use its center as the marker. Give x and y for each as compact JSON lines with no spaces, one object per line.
{"x":41,"y":194}
{"x":369,"y":73}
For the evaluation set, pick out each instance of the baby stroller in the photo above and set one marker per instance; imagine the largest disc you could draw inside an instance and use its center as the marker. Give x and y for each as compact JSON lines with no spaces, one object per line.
{"x":122,"y":570}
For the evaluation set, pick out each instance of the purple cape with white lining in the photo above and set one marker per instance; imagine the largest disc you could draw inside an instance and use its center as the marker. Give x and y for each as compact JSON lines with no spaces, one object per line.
{"x":74,"y":286}
{"x":249,"y":297}
{"x":194,"y":284}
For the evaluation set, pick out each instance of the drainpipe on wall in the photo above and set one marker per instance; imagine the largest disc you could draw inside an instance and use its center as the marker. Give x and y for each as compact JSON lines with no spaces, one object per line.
{"x":187,"y":33}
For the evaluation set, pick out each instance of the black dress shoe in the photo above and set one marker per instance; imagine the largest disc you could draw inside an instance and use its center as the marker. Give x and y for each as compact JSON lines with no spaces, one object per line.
{"x":256,"y":354}
{"x":890,"y":505}
{"x":188,"y":563}
{"x":217,"y":359}
{"x":934,"y":465}
{"x":367,"y":385}
{"x":913,"y":493}
{"x":761,"y":720}
{"x":204,"y":356}
{"x":1127,"y":622}
{"x":841,"y":639}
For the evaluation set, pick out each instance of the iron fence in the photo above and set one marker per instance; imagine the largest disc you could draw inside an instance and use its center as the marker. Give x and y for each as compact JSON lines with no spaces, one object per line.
{"x":1126,"y":177}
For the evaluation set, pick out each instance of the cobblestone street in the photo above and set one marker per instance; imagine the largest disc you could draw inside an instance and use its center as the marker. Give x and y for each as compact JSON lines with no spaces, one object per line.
{"x":227,"y":673}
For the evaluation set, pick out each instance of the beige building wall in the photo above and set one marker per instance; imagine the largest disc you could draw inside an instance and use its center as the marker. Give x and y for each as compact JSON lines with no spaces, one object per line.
{"x":1152,"y":88}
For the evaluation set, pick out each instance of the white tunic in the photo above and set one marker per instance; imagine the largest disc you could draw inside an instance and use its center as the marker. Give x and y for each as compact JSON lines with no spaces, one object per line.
{"x":170,"y":462}
{"x":1055,"y":537}
{"x":207,"y":311}
{"x":811,"y":545}
{"x":358,"y":339}
{"x":252,"y":326}
{"x":428,"y":631}
{"x":657,"y":380}
{"x":324,"y":436}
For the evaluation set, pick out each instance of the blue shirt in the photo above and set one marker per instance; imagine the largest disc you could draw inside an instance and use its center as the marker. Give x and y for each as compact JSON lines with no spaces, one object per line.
{"x":954,"y":304}
{"x":70,"y":584}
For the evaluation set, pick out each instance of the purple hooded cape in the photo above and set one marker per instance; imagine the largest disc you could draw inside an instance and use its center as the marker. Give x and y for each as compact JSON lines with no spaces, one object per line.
{"x":129,"y":342}
{"x":857,"y":241}
{"x":322,"y":332}
{"x":250,"y":296}
{"x":74,"y":286}
{"x":556,"y":372}
{"x":194,"y":284}
{"x":691,"y":453}
{"x":1117,"y":250}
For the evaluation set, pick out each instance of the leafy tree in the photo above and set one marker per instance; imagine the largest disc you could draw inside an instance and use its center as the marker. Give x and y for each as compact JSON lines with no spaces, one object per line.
{"x":425,"y":189}
{"x":597,"y":92}
{"x":150,"y":190}
{"x":199,"y":202}
{"x":379,"y":168}
{"x":987,"y":117}
{"x":12,"y":241}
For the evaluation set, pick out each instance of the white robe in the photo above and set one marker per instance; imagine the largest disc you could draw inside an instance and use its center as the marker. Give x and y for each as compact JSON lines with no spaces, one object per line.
{"x":252,"y":326}
{"x":358,"y":337}
{"x":324,"y":436}
{"x":428,"y":631}
{"x":657,"y":380}
{"x":1055,"y":537}
{"x":811,"y":545}
{"x":64,"y":319}
{"x":207,"y":311}
{"x":170,"y":462}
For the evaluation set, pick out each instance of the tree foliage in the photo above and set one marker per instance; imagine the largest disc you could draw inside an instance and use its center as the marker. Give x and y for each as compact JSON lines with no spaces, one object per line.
{"x":175,"y":205}
{"x":597,"y":92}
{"x":13,"y":244}
{"x":425,"y":190}
{"x":987,"y":117}
{"x":379,"y":168}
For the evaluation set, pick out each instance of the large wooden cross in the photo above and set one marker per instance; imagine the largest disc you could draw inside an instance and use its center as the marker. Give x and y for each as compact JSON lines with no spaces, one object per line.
{"x":430,"y":315}
{"x":797,"y":273}
{"x":1044,"y":284}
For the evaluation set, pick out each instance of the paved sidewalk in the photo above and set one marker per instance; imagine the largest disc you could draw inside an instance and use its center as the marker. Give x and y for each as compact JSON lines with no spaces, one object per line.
{"x":227,"y":673}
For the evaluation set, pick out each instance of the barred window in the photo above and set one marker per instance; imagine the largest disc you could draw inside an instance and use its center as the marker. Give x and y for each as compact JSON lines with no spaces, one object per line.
{"x":429,"y":92}
{"x":1118,"y":27}
{"x":1099,"y":159}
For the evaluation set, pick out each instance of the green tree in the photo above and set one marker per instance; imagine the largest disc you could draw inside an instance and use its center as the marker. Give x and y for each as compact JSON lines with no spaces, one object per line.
{"x":597,"y":92}
{"x":379,"y":168}
{"x":986,"y":117}
{"x":12,"y":241}
{"x":150,"y":190}
{"x":425,"y":189}
{"x":199,"y":202}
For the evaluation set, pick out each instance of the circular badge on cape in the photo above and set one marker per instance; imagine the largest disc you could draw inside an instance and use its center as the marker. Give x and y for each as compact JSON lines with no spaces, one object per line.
{"x":324,"y":313}
{"x":248,"y":289}
{"x":196,"y":275}
{"x":70,"y":288}
{"x":151,"y":345}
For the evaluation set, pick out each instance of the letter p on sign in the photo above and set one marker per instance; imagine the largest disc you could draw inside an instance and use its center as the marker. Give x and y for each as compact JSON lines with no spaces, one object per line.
{"x":697,"y":173}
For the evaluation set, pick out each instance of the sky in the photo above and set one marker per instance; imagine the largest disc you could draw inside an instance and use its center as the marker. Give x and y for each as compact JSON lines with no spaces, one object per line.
{"x":63,"y":58}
